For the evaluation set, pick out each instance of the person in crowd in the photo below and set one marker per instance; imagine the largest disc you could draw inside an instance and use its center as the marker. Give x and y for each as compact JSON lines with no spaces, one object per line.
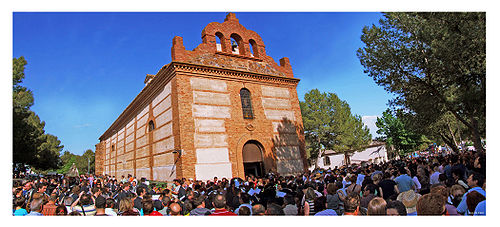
{"x":457,"y":178}
{"x":219,"y":203}
{"x":61,"y":210}
{"x":258,"y":210}
{"x":290,"y":208}
{"x":49,"y":209}
{"x":75,"y":192}
{"x":444,"y":191}
{"x":368,"y":195}
{"x":19,"y":209}
{"x":404,"y":181}
{"x":309,"y":196}
{"x":123,"y":193}
{"x":84,"y":204}
{"x":475,"y":182}
{"x":423,"y":178}
{"x":456,"y":194}
{"x":148,"y":208}
{"x":199,"y":204}
{"x":321,"y":207}
{"x":27,"y":190}
{"x":389,"y":187}
{"x":175,"y":209}
{"x":274,"y":210}
{"x":67,"y":203}
{"x":480,"y":164}
{"x":395,"y":208}
{"x":474,"y":198}
{"x":100,"y":206}
{"x":416,"y":182}
{"x":36,"y":206}
{"x":434,"y":178}
{"x":351,"y":205}
{"x":431,"y":204}
{"x":110,"y":207}
{"x":409,"y":199}
{"x":141,"y":192}
{"x":353,"y":187}
{"x":333,"y":199}
{"x":377,"y":206}
{"x":244,"y":211}
{"x":165,"y":200}
{"x":244,"y":200}
{"x":127,"y":207}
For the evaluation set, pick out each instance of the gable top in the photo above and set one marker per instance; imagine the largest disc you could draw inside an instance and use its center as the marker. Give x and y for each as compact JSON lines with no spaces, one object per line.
{"x":231,"y":45}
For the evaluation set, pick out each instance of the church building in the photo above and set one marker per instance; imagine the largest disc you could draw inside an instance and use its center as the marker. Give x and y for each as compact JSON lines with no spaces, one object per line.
{"x":224,"y":109}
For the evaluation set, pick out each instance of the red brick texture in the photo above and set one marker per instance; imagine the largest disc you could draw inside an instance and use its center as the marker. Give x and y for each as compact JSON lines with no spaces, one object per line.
{"x":237,"y":71}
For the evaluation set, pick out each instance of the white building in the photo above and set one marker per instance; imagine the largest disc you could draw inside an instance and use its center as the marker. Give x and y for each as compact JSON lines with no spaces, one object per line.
{"x":374,"y":153}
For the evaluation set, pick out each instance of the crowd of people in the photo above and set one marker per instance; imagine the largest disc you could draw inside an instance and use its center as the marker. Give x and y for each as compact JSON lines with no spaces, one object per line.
{"x":453,"y":184}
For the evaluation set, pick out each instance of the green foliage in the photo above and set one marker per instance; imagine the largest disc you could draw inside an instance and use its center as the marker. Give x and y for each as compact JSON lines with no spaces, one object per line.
{"x":435,"y":63}
{"x":67,"y":163}
{"x":30,"y":143}
{"x":397,"y":135}
{"x":445,"y":128}
{"x":81,"y":162}
{"x":329,"y":124}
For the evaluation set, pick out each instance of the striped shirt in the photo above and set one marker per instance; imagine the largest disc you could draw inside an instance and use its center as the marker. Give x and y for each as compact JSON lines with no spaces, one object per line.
{"x":311,"y":207}
{"x":89,"y":210}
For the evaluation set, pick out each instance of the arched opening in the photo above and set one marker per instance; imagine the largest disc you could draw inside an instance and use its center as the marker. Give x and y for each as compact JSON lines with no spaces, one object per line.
{"x":236,"y":47}
{"x":253,"y":48}
{"x":253,"y":161}
{"x":219,"y":41}
{"x":151,"y":126}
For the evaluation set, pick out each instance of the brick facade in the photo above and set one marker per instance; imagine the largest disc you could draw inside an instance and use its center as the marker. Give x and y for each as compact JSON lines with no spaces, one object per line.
{"x":195,"y":105}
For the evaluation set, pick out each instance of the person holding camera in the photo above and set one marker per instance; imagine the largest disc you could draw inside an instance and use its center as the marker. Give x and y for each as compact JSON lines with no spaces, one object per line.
{"x":84,"y":205}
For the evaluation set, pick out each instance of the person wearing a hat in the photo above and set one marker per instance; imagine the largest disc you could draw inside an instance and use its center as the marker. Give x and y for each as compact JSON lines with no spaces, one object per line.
{"x":409,"y":199}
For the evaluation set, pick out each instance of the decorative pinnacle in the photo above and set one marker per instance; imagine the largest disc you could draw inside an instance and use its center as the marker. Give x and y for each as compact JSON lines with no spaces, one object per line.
{"x":231,"y":16}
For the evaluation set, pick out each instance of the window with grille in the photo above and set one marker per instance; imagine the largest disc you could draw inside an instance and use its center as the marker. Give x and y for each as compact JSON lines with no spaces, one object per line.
{"x":246,"y":103}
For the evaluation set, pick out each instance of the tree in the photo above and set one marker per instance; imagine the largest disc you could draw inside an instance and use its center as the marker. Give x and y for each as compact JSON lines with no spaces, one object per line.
{"x":444,"y":129}
{"x":397,"y":135}
{"x":30,"y":143}
{"x":89,"y":159}
{"x":24,"y":134}
{"x":435,"y":63}
{"x":329,"y":124}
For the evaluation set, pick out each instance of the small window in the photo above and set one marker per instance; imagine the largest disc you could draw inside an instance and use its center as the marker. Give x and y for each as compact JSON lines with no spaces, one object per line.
{"x":246,"y":103}
{"x":326,"y":161}
{"x":112,"y":147}
{"x":151,"y":125}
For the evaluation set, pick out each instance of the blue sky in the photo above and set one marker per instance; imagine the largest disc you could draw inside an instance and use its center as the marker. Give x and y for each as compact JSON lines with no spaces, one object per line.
{"x":85,"y":68}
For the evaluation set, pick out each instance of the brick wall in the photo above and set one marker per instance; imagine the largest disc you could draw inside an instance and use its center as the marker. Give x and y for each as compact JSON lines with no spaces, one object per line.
{"x":195,"y":104}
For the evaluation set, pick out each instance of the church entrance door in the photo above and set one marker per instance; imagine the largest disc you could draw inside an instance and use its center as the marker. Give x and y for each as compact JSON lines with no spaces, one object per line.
{"x":252,"y":159}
